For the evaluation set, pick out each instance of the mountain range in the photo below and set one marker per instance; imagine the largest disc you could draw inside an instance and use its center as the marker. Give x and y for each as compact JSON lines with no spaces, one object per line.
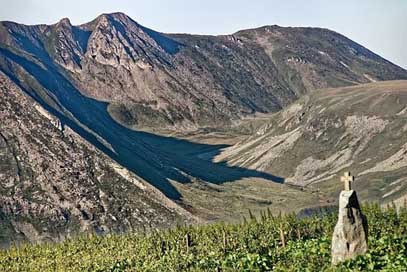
{"x":112,"y":126}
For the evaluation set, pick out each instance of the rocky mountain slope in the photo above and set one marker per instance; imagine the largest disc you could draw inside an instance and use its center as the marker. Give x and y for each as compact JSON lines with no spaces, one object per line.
{"x":75,"y":98}
{"x":54,"y":184}
{"x":152,"y":79}
{"x":362,"y":129}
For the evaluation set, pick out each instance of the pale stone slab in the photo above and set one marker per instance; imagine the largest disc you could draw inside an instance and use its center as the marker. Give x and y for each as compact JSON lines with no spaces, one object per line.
{"x":350,"y":235}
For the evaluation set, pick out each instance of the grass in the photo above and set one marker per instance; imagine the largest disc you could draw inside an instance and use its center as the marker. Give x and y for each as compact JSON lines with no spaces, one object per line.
{"x":279,"y":243}
{"x":231,"y":201}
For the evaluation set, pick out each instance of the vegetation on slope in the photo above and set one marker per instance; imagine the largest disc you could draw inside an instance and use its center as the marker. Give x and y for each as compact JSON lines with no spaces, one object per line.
{"x":361,"y":128}
{"x":279,"y":243}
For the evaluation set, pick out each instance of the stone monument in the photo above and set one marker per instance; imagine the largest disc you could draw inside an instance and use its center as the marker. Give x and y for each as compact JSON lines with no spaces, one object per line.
{"x":350,"y":235}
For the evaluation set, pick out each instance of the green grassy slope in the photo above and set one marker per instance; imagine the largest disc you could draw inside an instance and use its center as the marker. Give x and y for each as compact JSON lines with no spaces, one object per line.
{"x":360,"y":128}
{"x":255,"y":245}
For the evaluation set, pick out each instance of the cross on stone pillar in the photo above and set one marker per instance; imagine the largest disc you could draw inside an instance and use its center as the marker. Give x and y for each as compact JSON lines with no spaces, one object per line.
{"x":350,"y":234}
{"x":347,"y":179}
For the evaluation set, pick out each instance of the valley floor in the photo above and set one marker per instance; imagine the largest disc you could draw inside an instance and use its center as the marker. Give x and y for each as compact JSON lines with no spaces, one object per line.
{"x":230,"y":200}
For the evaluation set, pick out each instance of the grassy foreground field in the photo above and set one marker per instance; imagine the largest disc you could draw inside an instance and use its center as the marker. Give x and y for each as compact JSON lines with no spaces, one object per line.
{"x":279,"y":243}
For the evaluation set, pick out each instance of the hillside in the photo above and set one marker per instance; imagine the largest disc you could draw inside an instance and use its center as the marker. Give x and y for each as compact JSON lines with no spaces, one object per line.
{"x":178,"y":81}
{"x":103,"y":82}
{"x":255,"y":245}
{"x":54,"y":184}
{"x":310,"y":143}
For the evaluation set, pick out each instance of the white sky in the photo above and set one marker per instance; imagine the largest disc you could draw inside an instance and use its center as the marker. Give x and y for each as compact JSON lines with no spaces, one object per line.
{"x":379,"y":25}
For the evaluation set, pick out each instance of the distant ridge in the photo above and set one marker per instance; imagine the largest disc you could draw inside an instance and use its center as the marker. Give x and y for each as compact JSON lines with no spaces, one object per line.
{"x":77,"y":152}
{"x":181,"y":81}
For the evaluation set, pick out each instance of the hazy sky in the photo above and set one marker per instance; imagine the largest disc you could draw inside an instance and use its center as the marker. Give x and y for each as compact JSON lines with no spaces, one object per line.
{"x":380,"y":25}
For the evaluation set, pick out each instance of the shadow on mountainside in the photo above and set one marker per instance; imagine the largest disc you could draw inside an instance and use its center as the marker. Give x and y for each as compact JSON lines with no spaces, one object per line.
{"x":157,"y":159}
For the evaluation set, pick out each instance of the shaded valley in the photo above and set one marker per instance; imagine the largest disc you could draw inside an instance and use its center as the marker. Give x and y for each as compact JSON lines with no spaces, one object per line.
{"x":111,"y":126}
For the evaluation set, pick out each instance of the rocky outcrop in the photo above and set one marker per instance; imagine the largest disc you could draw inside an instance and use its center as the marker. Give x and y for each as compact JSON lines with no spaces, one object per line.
{"x":350,"y":234}
{"x":54,"y":184}
{"x":65,"y":45}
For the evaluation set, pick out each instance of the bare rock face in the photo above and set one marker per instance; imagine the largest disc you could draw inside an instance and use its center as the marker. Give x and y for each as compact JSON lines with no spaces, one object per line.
{"x":180,"y":81}
{"x":350,"y":235}
{"x":52,"y":173}
{"x":54,"y":184}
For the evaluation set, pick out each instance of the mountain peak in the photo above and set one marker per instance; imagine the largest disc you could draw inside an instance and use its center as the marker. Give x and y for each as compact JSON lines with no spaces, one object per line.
{"x":64,"y":22}
{"x":108,"y":19}
{"x":115,"y":17}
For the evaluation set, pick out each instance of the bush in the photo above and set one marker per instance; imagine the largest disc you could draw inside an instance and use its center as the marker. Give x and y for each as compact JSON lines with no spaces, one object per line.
{"x":278,"y":243}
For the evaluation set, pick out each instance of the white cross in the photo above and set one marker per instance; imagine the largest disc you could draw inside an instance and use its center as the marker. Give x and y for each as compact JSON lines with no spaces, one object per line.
{"x":347,"y":178}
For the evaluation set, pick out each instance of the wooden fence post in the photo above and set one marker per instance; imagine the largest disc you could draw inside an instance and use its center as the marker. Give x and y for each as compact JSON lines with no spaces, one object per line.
{"x":224,"y":241}
{"x":188,"y":241}
{"x":282,"y":235}
{"x":162,"y":246}
{"x":298,"y":234}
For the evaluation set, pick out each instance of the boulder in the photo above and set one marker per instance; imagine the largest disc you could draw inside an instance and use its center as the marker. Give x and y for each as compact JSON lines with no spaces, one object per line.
{"x":350,"y":235}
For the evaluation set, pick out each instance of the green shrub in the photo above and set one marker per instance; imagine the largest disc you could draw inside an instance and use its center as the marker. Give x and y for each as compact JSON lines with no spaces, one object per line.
{"x":256,"y":245}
